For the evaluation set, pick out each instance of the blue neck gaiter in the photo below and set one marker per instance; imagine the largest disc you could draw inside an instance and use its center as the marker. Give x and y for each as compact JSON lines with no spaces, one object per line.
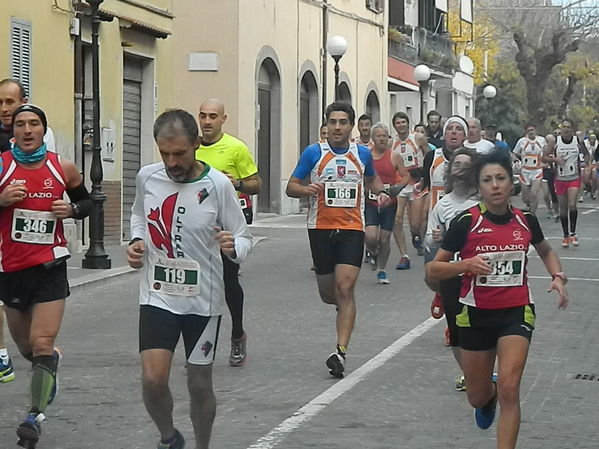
{"x":28,"y":158}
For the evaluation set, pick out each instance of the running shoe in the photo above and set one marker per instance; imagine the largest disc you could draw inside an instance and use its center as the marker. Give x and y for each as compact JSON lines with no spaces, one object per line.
{"x":366,"y":257}
{"x":565,"y":242}
{"x":336,"y":365}
{"x":484,"y":416}
{"x":373,"y":262}
{"x":556,"y":218}
{"x":404,"y":263}
{"x":176,"y":442}
{"x":574,"y":240}
{"x":381,"y":277}
{"x":549,"y":216}
{"x":447,"y":337}
{"x":30,"y":430}
{"x":460,"y":383}
{"x":7,"y":373}
{"x":581,"y":199}
{"x":57,"y":355}
{"x":437,"y":310}
{"x":238,"y":350}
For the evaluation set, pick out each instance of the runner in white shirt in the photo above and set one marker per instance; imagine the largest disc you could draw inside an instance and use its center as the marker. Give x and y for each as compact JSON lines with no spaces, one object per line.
{"x":185,"y":213}
{"x":461,"y":185}
{"x":529,"y":150}
{"x":475,"y":140}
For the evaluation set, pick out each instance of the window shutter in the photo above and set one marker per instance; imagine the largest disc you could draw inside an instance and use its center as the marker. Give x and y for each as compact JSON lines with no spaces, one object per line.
{"x":20,"y":52}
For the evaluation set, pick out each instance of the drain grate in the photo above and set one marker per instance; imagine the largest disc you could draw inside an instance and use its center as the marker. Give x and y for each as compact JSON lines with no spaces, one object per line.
{"x":586,"y":377}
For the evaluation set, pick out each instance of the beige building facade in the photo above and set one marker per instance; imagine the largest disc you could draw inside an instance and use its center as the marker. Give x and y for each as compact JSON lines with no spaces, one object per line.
{"x":264,"y":59}
{"x":49,"y":43}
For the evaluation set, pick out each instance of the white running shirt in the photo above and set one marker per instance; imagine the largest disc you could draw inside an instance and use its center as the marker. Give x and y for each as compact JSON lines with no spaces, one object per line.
{"x":483,"y":146}
{"x":183,"y":270}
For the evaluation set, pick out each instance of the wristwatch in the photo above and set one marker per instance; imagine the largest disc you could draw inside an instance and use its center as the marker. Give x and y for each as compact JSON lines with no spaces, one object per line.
{"x":560,"y":275}
{"x":239,"y":185}
{"x":75,"y":210}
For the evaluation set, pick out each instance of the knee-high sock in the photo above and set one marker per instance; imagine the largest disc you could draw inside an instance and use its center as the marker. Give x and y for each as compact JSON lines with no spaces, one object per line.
{"x":564,"y":220}
{"x":573,"y":218}
{"x":42,"y":381}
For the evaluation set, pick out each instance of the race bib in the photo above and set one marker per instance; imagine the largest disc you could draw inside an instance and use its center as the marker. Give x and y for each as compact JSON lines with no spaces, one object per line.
{"x":176,"y":277}
{"x":374,"y":197}
{"x":531,"y":161}
{"x":567,"y":169}
{"x":507,"y":269}
{"x":243,"y":203}
{"x":33,"y":226}
{"x":341,"y":194}
{"x":408,"y":160}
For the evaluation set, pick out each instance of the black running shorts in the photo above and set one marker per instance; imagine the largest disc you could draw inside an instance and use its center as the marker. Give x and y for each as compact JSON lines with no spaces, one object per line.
{"x":480,"y":329}
{"x":40,"y":283}
{"x":335,"y":246}
{"x":450,"y":295}
{"x":161,"y":329}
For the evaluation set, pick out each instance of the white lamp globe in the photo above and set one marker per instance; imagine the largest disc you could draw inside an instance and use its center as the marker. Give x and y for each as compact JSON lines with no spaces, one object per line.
{"x":336,"y":46}
{"x":422,"y":73}
{"x":489,"y":91}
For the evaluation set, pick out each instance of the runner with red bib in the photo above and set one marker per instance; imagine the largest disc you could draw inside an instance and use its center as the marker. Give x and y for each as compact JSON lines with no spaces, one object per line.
{"x":33,"y":253}
{"x":497,"y":315}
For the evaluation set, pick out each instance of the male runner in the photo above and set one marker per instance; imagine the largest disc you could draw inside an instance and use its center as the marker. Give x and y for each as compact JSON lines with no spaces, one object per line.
{"x":338,"y":170}
{"x":364,"y":126}
{"x":475,"y":140}
{"x":434,"y":129}
{"x":232,"y":157}
{"x":529,"y":150}
{"x":33,"y":253}
{"x":412,"y":147}
{"x":379,"y":220}
{"x":565,"y":151}
{"x":185,"y":215}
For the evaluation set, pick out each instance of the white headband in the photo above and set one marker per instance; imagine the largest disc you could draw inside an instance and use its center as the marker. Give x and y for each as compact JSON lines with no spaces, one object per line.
{"x":456,"y":119}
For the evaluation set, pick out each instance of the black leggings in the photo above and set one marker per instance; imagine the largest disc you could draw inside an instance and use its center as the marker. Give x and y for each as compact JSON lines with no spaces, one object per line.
{"x":233,"y":296}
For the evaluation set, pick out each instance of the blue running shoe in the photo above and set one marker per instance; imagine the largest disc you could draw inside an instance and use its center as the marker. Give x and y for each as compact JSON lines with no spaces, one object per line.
{"x":484,"y":416}
{"x":381,"y":277}
{"x":7,"y":374}
{"x":404,"y":263}
{"x":30,"y":430}
{"x":176,"y":442}
{"x":494,"y":377}
{"x":58,"y":357}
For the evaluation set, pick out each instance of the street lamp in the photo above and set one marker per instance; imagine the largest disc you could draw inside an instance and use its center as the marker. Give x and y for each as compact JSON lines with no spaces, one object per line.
{"x":336,"y":47}
{"x":96,"y":256}
{"x":489,"y":91}
{"x":422,"y":74}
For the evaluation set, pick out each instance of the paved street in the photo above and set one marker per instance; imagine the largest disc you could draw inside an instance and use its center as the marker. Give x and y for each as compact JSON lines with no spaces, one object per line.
{"x":400,"y":391}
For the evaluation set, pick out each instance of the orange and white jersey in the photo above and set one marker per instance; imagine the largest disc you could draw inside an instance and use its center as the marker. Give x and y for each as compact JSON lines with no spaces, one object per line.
{"x":341,"y":205}
{"x":369,"y":144}
{"x":437,"y":176}
{"x":413,"y":157}
{"x":530,"y":152}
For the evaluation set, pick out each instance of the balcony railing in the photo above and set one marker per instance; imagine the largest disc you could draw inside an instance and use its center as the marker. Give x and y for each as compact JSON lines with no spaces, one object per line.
{"x":418,"y":45}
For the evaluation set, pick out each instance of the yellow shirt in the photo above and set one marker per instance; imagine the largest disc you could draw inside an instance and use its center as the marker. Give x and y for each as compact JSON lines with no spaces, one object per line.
{"x":229,"y":155}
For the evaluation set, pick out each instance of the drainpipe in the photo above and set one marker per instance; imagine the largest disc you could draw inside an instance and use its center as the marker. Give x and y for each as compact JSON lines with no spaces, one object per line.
{"x":323,"y":52}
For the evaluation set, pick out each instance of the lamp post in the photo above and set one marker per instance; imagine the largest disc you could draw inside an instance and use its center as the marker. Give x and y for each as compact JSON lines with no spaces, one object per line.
{"x":422,"y":74}
{"x":490,"y":92}
{"x":96,"y":256}
{"x":336,"y":47}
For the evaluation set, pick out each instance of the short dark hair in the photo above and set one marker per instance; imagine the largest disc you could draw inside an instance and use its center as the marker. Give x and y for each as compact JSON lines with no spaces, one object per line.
{"x":497,"y":156}
{"x":173,"y":122}
{"x":431,"y":113}
{"x":569,"y":120}
{"x":400,"y":114}
{"x":364,"y":117}
{"x":324,"y":125}
{"x":341,"y":106}
{"x":22,"y":90}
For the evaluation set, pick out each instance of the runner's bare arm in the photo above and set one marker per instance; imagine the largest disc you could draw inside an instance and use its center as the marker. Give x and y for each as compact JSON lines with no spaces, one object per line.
{"x":297,"y":189}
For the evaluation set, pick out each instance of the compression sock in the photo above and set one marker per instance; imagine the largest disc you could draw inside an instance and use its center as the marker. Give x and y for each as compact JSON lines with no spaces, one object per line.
{"x":573,"y":218}
{"x":42,"y":381}
{"x":341,"y":350}
{"x":564,"y":220}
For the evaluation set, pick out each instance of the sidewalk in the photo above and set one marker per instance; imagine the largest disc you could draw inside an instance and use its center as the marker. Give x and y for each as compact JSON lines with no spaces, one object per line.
{"x":82,"y":276}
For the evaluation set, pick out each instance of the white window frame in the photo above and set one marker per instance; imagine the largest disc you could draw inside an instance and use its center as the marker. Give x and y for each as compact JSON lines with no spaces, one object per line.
{"x":376,"y":6}
{"x":20,"y":52}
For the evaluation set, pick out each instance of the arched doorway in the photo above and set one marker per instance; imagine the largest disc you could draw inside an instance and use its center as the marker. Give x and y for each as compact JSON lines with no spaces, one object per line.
{"x":308,"y":111}
{"x":269,"y":132}
{"x":344,"y":92}
{"x":373,"y":108}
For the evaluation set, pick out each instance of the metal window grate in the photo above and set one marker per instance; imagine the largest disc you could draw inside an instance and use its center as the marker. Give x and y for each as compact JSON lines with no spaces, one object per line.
{"x":580,"y":376}
{"x":20,"y":52}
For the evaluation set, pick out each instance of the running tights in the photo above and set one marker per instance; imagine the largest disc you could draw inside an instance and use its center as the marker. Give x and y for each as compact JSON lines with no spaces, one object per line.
{"x":233,"y":296}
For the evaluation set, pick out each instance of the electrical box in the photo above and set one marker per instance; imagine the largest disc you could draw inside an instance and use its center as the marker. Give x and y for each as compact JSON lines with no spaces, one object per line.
{"x":107,"y":143}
